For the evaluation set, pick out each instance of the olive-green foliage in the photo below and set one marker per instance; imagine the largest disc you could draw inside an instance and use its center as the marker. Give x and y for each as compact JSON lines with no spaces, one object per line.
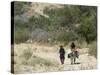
{"x":88,"y":27}
{"x":66,"y":37}
{"x":40,"y":22}
{"x":21,"y":35}
{"x":61,"y":23}
{"x":20,"y":7}
{"x":27,"y":53}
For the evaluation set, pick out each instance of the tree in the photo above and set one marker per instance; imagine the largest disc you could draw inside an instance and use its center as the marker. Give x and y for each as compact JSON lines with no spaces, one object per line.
{"x":88,"y":27}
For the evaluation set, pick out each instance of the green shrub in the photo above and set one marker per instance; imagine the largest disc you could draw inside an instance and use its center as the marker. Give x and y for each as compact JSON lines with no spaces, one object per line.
{"x":21,"y":35}
{"x":27,"y":53}
{"x":66,"y":37}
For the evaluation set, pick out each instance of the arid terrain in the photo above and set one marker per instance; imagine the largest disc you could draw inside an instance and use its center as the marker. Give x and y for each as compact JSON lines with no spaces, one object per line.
{"x":40,"y":28}
{"x":33,"y":58}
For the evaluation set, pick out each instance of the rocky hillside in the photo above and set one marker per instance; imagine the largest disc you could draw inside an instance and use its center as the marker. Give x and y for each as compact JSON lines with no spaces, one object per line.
{"x":48,"y":23}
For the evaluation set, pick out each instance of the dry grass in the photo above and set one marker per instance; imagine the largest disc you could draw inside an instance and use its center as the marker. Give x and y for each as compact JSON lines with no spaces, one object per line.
{"x":44,"y":58}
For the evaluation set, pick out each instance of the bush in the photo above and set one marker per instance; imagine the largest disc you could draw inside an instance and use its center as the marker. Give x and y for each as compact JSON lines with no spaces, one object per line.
{"x":66,"y":37}
{"x":27,"y":53}
{"x":21,"y":35}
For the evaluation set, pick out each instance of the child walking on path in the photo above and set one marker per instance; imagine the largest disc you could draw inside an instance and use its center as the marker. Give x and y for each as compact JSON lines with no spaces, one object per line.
{"x":62,"y":54}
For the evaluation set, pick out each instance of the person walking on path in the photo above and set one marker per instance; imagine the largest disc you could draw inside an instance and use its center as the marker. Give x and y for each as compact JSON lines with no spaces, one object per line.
{"x":74,"y":53}
{"x":62,"y":54}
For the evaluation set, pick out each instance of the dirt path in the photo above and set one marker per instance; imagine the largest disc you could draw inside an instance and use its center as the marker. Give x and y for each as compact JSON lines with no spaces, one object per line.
{"x":46,"y":59}
{"x":85,"y":61}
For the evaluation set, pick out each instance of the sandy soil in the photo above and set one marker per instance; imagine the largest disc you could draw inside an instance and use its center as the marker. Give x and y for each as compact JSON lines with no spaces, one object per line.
{"x":50,"y":55}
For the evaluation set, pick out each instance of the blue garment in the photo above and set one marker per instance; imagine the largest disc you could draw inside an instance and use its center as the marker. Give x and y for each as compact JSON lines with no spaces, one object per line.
{"x":62,"y":53}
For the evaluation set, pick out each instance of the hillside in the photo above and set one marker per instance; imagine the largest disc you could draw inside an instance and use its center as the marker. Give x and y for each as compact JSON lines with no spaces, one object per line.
{"x":39,"y":30}
{"x":63,"y":21}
